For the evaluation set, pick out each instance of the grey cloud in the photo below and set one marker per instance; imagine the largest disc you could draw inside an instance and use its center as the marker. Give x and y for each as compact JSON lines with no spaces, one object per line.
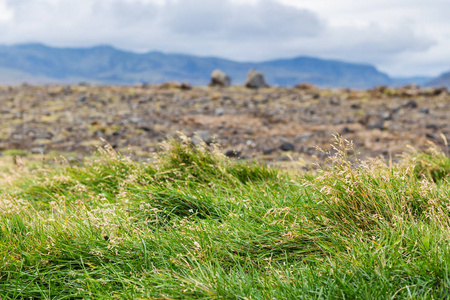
{"x":129,"y":14}
{"x":193,"y":17}
{"x":218,"y":19}
{"x":271,"y":19}
{"x":265,"y":19}
{"x":375,"y":44}
{"x":264,"y":30}
{"x":199,"y":26}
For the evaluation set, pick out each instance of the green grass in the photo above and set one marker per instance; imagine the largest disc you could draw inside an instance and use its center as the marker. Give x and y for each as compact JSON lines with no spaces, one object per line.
{"x":194,"y":225}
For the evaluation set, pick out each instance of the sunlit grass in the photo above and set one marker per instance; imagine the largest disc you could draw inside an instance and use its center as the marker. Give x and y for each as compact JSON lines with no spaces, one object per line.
{"x":192,"y":224}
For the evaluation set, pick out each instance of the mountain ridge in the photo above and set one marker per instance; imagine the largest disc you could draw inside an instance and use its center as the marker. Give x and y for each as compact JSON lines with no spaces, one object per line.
{"x":441,"y":80}
{"x":105,"y":64}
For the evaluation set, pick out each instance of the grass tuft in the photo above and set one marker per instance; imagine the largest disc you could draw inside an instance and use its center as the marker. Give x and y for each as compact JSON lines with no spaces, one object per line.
{"x":433,"y":164}
{"x":369,"y":195}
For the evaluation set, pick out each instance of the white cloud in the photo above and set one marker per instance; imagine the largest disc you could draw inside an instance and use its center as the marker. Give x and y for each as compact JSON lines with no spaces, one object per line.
{"x":6,"y":14}
{"x":401,"y":37}
{"x":421,"y":50}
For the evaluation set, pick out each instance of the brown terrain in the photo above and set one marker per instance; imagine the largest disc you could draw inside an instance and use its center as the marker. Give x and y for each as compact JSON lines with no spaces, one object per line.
{"x":271,"y":124}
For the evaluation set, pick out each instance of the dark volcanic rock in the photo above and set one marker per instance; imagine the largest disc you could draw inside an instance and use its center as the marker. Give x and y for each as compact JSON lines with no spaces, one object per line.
{"x":347,"y":130}
{"x":176,"y":85}
{"x":376,"y":125}
{"x":432,"y":127}
{"x":287,"y":146}
{"x":233,"y":153}
{"x":269,"y":151}
{"x":431,"y":136}
{"x":410,"y":104}
{"x":145,"y":128}
{"x":439,"y":90}
{"x":305,"y":86}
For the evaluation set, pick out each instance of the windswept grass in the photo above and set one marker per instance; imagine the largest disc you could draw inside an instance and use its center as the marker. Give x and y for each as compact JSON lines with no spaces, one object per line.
{"x":193,"y":224}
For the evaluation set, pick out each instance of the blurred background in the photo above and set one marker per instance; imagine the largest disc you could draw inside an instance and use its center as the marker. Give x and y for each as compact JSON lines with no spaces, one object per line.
{"x":406,"y":41}
{"x":134,"y":72}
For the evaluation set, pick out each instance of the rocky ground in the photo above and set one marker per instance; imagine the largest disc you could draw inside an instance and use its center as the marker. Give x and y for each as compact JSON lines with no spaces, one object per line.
{"x":272,"y":124}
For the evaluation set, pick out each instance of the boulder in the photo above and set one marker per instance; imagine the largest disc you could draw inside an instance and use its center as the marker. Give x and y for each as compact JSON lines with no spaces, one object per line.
{"x":202,"y":136}
{"x":37,"y":150}
{"x":306,"y":86}
{"x":410,"y":104}
{"x":410,"y":90}
{"x":431,"y":136}
{"x":220,"y":79}
{"x":219,"y":111}
{"x":255,"y":80}
{"x":438,"y":91}
{"x":176,"y":85}
{"x":376,"y":125}
{"x":82,"y":99}
{"x":233,"y":153}
{"x":269,"y":151}
{"x":287,"y":146}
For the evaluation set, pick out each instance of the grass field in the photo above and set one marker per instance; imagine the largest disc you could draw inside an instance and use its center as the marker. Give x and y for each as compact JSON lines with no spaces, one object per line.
{"x":194,"y":225}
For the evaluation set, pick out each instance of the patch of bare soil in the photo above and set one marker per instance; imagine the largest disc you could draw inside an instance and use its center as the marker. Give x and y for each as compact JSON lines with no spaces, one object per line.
{"x":269,"y":124}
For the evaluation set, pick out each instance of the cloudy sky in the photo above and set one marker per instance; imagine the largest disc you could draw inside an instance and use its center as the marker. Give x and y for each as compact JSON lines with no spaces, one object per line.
{"x":400,"y":37}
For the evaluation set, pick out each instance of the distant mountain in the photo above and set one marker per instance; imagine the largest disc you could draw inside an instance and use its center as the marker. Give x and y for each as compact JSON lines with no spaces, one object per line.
{"x":37,"y":63}
{"x":401,"y":81}
{"x":442,"y":80}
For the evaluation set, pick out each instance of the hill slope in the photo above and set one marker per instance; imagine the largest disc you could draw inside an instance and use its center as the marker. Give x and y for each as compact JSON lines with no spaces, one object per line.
{"x":442,"y":80}
{"x":107,"y":65}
